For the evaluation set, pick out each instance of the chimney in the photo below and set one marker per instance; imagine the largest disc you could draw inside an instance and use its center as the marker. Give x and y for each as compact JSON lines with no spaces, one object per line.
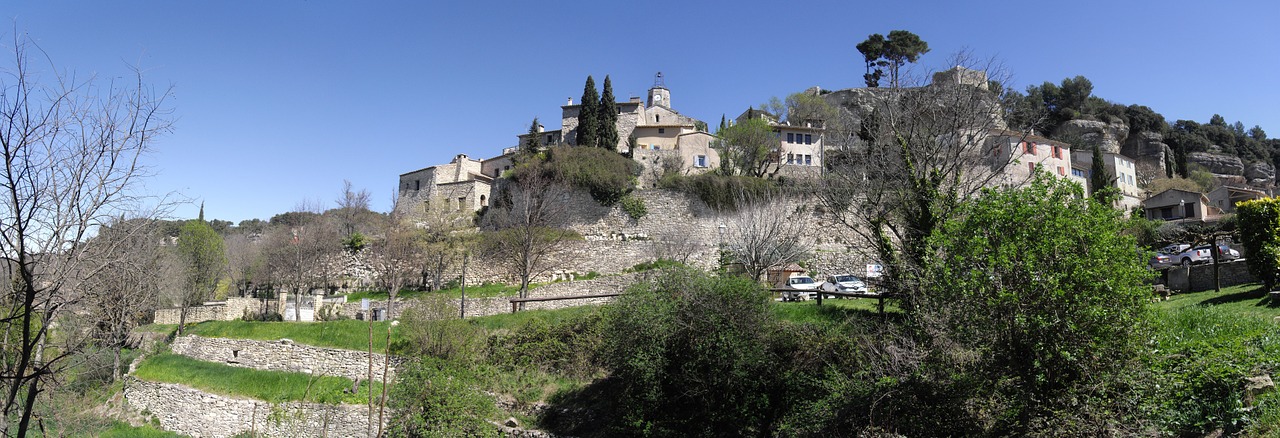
{"x":570,"y":101}
{"x":540,"y":128}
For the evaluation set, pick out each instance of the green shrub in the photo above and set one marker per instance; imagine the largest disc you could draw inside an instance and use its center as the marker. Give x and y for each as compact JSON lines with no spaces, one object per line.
{"x":434,"y":397}
{"x":565,"y":347}
{"x":605,"y":174}
{"x":692,"y":356}
{"x":720,"y":192}
{"x":634,"y":207}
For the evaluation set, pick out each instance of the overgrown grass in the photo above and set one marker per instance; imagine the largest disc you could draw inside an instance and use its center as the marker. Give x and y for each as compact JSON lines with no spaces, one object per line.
{"x":832,"y":310}
{"x":512,"y":321}
{"x":271,"y":386}
{"x":1203,"y":346}
{"x":347,"y":334}
{"x":123,"y":430}
{"x":157,"y":328}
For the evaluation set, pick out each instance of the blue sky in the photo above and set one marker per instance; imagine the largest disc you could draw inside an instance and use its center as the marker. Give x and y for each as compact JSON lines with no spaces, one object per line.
{"x":277,"y":102}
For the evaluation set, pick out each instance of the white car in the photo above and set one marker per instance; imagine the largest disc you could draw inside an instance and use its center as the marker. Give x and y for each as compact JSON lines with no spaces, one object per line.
{"x":801,"y":283}
{"x":844,"y":283}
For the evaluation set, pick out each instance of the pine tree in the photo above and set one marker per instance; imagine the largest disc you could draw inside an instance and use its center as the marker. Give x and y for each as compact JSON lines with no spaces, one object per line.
{"x":608,"y":111}
{"x":530,"y":144}
{"x":722,"y":124}
{"x":589,"y":115}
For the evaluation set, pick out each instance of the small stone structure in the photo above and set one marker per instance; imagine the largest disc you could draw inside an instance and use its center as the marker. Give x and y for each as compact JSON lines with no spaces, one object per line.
{"x":231,"y":309}
{"x":189,"y":411}
{"x":284,"y":355}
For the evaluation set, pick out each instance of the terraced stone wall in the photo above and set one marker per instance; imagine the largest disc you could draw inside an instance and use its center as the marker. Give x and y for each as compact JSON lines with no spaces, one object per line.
{"x":284,"y":355}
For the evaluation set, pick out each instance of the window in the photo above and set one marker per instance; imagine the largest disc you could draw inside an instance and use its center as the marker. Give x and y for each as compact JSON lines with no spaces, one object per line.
{"x":483,"y":201}
{"x":1061,"y":171}
{"x":548,"y":138}
{"x":657,"y":118}
{"x":808,"y":139}
{"x":808,"y":160}
{"x":791,"y":137}
{"x":1057,"y":152}
{"x":662,"y":130}
{"x":1077,"y":172}
{"x":417,"y":184}
{"x":1190,"y":210}
{"x":1031,"y":148}
{"x":995,"y":151}
{"x":700,"y":161}
{"x":657,"y":147}
{"x":1031,"y":167}
{"x":791,"y":158}
{"x":462,"y":203}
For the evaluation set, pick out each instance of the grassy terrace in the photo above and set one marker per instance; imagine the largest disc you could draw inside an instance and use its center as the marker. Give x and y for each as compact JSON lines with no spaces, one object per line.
{"x":347,"y":334}
{"x":1245,"y":300}
{"x":486,"y":290}
{"x":272,"y":386}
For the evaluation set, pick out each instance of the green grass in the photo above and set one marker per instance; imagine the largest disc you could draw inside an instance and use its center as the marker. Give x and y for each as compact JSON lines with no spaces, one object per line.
{"x":157,"y":328}
{"x":1248,"y":300}
{"x":122,"y":430}
{"x":271,"y":386}
{"x":487,"y":290}
{"x":347,"y":334}
{"x":832,"y":310}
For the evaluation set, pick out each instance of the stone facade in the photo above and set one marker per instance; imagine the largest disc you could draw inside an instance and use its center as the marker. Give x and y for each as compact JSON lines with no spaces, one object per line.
{"x":459,"y":185}
{"x":283,"y":355}
{"x":192,"y":412}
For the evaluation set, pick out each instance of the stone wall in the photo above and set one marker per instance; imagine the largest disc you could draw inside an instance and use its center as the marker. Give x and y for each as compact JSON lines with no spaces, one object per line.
{"x":192,"y":412}
{"x":283,"y":355}
{"x":232,"y":309}
{"x":1200,"y":277}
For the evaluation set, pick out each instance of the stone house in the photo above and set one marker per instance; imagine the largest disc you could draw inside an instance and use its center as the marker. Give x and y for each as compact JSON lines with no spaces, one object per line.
{"x":1124,"y":176}
{"x":1022,"y":154}
{"x":800,"y":149}
{"x":461,"y":185}
{"x":1178,"y":204}
{"x":1225,"y":197}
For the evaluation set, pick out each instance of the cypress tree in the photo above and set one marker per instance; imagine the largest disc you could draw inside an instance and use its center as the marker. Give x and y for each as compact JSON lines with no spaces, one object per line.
{"x":1099,"y":178}
{"x":530,"y":144}
{"x":589,"y":115}
{"x":608,"y":111}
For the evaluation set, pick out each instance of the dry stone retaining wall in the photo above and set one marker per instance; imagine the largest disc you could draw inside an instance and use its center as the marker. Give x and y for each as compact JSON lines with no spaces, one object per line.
{"x":192,"y":412}
{"x":283,"y":355}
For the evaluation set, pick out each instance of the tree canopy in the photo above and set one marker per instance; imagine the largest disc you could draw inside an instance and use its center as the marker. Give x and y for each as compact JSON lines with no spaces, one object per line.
{"x":892,"y":53}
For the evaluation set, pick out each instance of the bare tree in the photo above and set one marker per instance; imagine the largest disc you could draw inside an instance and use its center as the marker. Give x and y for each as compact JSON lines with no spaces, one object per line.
{"x":351,"y":205}
{"x":395,"y":258}
{"x":124,"y":295}
{"x":521,"y":228}
{"x":764,"y":234}
{"x":303,"y":255}
{"x":246,"y":263}
{"x":71,"y":151}
{"x":906,"y":157}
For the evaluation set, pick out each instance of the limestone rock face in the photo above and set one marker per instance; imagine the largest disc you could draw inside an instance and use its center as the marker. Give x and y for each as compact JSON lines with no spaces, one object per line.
{"x":1217,"y":163}
{"x":1260,"y":174}
{"x":1108,"y":135}
{"x":1148,"y":151}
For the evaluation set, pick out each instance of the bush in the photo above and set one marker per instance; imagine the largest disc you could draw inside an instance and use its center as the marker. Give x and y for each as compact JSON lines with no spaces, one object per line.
{"x":655,"y":264}
{"x":434,"y":397}
{"x":720,"y":192}
{"x":565,"y":348}
{"x":605,"y":174}
{"x":691,"y":354}
{"x":634,"y":207}
{"x":1259,"y":223}
{"x":1035,"y":297}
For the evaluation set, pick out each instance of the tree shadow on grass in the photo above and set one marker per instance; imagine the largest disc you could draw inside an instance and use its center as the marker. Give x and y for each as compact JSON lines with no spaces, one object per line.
{"x":586,"y":412}
{"x":1259,"y":293}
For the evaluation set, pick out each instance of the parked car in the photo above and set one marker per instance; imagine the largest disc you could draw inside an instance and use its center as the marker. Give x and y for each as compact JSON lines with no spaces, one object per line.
{"x":1180,"y":254}
{"x":802,"y":284}
{"x":1225,"y":252}
{"x":844,"y":283}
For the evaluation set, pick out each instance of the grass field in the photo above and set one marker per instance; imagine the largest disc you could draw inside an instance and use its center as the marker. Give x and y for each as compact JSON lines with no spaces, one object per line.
{"x":486,"y":290}
{"x":272,"y":386}
{"x":122,"y":430}
{"x":1246,"y":300}
{"x":348,"y":334}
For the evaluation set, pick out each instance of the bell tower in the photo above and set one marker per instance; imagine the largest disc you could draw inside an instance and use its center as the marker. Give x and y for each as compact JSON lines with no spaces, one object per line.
{"x":659,"y":94}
